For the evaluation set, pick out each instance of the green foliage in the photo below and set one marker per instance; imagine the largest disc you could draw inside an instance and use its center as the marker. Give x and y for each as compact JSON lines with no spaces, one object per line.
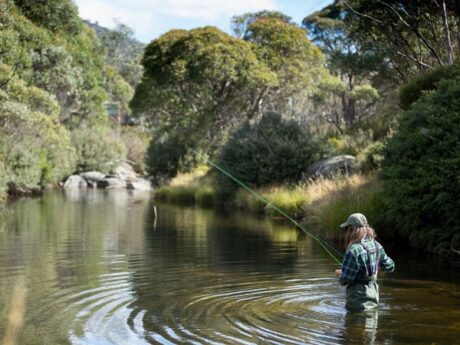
{"x":199,"y":83}
{"x":241,"y":24}
{"x":291,"y":200}
{"x":425,"y":82}
{"x":406,"y":34}
{"x":98,"y":148}
{"x":351,"y":143}
{"x":193,"y":188}
{"x":270,"y":151}
{"x":36,"y":148}
{"x":136,"y":143}
{"x":122,"y":50}
{"x":169,"y":155}
{"x":420,"y":171}
{"x":297,"y":64}
{"x":371,"y":157}
{"x":54,"y":15}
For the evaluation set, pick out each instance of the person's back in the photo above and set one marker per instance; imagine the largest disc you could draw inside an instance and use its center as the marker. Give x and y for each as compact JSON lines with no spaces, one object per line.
{"x":363,"y":259}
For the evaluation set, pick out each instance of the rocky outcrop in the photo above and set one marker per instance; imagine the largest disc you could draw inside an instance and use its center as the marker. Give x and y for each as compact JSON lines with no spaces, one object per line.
{"x":123,"y":176}
{"x":338,"y":165}
{"x":125,"y":171}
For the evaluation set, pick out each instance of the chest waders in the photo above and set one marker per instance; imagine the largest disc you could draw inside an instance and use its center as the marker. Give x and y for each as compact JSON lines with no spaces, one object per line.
{"x":363,"y":294}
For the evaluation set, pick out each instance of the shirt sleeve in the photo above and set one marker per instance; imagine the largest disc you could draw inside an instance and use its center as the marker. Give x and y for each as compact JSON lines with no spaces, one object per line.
{"x":350,"y":268}
{"x":386,"y":263}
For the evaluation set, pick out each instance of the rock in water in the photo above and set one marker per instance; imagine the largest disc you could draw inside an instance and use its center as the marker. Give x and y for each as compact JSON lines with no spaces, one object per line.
{"x":75,"y":181}
{"x":125,"y":171}
{"x":343,"y":164}
{"x":93,"y":175}
{"x":111,"y":182}
{"x":139,"y":184}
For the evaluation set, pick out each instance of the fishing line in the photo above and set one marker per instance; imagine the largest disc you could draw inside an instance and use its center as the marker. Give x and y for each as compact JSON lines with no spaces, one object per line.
{"x":323,"y":244}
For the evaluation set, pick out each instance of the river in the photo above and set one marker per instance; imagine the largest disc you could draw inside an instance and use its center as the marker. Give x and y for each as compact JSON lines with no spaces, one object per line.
{"x":95,"y":267}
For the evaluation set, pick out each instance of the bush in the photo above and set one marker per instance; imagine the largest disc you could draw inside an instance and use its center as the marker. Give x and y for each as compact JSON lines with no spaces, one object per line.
{"x":136,"y":143}
{"x":268,"y":152}
{"x":35,"y":147}
{"x":428,"y":81}
{"x":420,"y":171}
{"x":98,"y":148}
{"x":168,"y":156}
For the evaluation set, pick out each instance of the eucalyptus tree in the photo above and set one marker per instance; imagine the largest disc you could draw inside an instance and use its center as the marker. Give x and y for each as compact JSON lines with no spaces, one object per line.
{"x":200,"y":83}
{"x":351,"y":95}
{"x":413,"y":35}
{"x":297,"y":64}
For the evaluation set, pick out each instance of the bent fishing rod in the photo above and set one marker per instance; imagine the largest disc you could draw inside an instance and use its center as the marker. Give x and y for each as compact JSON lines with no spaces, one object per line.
{"x":328,"y":248}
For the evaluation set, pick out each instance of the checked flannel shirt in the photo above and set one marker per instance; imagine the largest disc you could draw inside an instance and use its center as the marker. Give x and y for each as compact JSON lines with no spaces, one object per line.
{"x":359,"y":262}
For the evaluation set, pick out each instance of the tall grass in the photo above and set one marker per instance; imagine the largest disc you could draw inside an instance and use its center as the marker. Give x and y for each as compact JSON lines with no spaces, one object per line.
{"x":323,"y":204}
{"x":191,"y":188}
{"x":333,"y":200}
{"x":290,"y":199}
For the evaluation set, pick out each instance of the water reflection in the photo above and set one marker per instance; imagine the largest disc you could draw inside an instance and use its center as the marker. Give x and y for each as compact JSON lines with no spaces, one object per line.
{"x":98,"y":271}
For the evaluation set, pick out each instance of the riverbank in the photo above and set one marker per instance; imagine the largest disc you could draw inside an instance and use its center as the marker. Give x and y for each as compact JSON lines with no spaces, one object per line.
{"x":321,"y":204}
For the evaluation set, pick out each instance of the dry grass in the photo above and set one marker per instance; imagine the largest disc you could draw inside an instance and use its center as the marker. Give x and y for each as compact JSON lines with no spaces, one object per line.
{"x":333,"y":200}
{"x":290,"y":199}
{"x":191,"y":188}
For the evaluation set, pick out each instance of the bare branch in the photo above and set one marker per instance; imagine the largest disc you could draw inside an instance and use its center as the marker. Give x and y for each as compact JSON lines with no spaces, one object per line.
{"x":361,"y":14}
{"x":421,"y":63}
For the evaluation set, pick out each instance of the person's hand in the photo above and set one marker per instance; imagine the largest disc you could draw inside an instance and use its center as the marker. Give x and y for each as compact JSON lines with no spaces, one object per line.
{"x":338,"y":273}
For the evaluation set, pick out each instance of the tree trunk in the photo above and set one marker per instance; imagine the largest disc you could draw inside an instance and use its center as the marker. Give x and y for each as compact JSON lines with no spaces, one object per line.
{"x":450,"y":54}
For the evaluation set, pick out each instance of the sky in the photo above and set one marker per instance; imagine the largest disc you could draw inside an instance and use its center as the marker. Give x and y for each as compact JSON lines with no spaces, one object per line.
{"x":151,"y":18}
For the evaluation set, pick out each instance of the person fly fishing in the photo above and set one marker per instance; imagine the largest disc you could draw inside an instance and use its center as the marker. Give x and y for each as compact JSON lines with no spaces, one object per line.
{"x":364,"y":258}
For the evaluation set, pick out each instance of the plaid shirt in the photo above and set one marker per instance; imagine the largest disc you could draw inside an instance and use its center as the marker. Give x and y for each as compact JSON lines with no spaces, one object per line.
{"x":360,"y":263}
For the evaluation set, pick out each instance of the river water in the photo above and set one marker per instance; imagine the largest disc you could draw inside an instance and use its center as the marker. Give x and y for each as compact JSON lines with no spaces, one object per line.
{"x":94,"y":267}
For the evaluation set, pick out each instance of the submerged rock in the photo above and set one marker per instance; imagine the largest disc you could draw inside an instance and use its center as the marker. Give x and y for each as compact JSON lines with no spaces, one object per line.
{"x":338,"y":165}
{"x":75,"y":181}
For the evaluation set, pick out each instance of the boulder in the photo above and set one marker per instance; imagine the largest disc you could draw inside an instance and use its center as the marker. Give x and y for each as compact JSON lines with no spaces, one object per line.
{"x":93,"y":176}
{"x":111,"y":182}
{"x":75,"y":181}
{"x":139,"y":184}
{"x":338,"y":165}
{"x":125,"y":171}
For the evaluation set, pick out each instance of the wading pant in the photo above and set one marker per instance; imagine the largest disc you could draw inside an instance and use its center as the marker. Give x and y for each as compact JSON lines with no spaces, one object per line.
{"x":362,"y":296}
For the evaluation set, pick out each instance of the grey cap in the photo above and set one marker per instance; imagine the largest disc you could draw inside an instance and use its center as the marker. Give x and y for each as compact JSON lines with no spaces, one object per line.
{"x":357,"y":220}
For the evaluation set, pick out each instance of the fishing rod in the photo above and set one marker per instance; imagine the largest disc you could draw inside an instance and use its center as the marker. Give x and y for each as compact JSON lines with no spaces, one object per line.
{"x":323,"y":244}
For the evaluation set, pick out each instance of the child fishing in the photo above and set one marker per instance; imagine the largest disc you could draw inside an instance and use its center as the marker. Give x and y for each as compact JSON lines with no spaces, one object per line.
{"x":364,"y":258}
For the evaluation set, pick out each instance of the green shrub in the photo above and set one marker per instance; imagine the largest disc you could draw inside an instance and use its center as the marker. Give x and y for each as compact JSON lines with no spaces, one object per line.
{"x":427,"y":81}
{"x":98,"y":148}
{"x":37,"y":147}
{"x":136,"y":143}
{"x":169,"y":155}
{"x":371,"y":157}
{"x":421,"y":171}
{"x":271,"y":151}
